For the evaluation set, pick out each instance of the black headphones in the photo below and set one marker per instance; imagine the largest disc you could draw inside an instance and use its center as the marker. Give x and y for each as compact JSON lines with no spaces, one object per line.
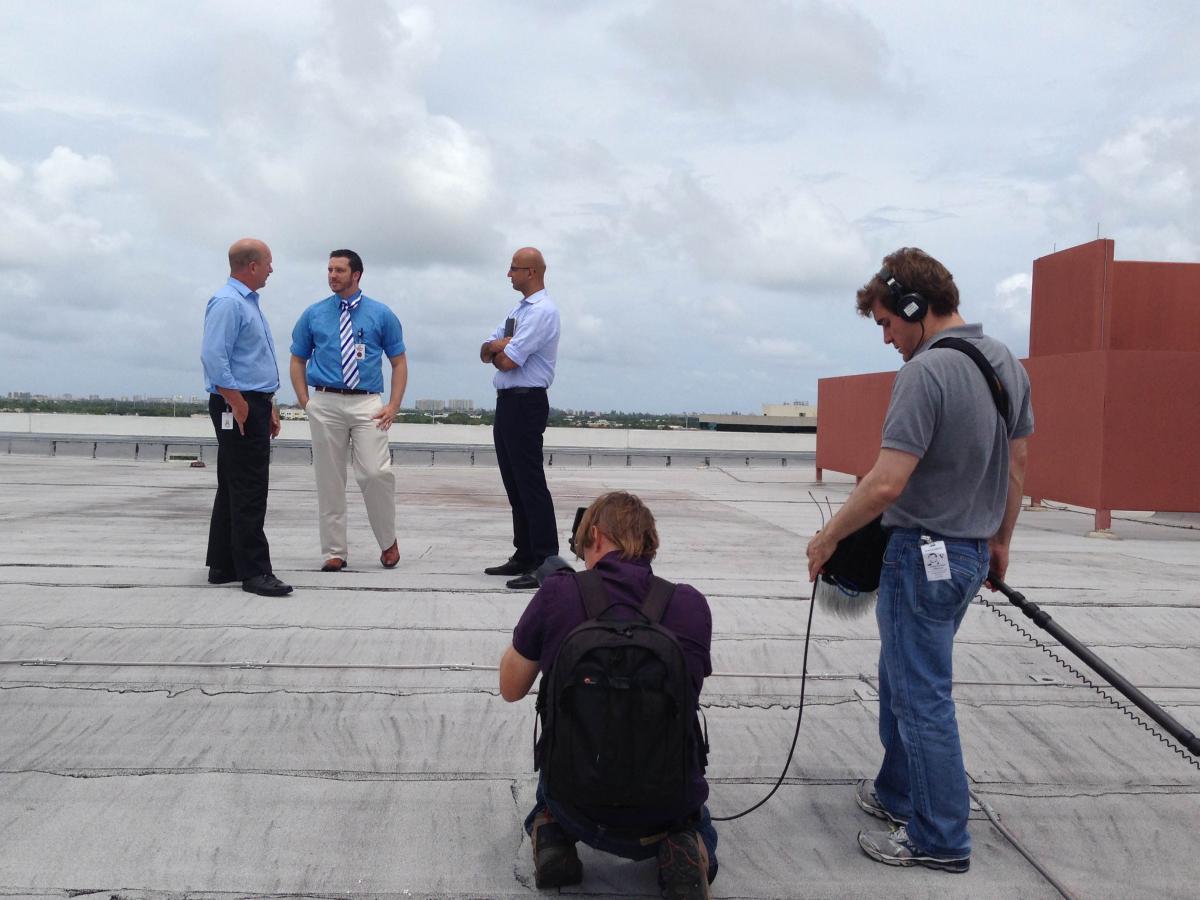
{"x":908,"y":305}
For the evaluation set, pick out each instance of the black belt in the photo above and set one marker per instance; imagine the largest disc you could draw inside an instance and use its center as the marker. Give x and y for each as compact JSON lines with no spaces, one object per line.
{"x":508,"y":392}
{"x":330,"y":390}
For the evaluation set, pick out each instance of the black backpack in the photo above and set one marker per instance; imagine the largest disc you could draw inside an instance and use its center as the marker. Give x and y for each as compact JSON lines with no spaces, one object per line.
{"x":618,"y":708}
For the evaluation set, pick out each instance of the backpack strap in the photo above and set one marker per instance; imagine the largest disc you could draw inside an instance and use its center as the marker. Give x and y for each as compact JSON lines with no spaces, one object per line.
{"x":660,"y":594}
{"x":995,"y":385}
{"x":591,"y":588}
{"x":596,"y":601}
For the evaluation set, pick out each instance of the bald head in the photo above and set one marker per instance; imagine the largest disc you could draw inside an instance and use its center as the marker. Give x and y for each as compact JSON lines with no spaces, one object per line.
{"x":528,"y":271}
{"x":530,"y":257}
{"x":250,"y":262}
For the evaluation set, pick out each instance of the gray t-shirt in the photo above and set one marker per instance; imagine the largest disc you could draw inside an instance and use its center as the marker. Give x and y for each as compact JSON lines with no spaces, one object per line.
{"x":943,"y":413}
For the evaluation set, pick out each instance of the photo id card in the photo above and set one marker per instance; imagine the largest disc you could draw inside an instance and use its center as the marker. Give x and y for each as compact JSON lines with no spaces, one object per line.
{"x":227,"y":421}
{"x":360,"y":351}
{"x":937,"y":563}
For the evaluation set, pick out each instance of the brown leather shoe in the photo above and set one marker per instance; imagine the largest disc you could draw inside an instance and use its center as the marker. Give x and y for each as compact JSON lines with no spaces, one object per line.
{"x":390,"y":556}
{"x":334,"y":564}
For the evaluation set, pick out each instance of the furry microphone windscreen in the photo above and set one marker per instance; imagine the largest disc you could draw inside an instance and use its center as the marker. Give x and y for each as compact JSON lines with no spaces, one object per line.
{"x":849,"y":582}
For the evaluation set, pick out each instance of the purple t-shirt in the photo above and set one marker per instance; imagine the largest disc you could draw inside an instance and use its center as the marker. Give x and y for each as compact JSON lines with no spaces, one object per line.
{"x":557,"y":608}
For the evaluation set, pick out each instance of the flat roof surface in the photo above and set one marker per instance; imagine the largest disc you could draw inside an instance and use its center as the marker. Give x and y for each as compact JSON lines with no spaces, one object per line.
{"x":349,"y":740}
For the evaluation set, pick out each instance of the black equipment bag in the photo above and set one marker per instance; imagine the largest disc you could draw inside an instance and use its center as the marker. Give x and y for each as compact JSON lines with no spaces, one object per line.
{"x":617,"y":707}
{"x":857,"y":561}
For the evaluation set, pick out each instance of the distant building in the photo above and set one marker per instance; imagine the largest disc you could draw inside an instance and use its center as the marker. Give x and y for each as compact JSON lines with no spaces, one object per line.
{"x":431,"y":406}
{"x":794,"y":417}
{"x":460,"y":405}
{"x":795,"y":409}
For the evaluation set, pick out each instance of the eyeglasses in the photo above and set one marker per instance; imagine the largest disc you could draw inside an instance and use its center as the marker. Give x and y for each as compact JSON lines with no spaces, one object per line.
{"x":518,"y":268}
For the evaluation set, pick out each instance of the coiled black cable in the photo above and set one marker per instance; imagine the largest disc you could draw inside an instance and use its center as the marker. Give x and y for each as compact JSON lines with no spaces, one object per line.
{"x":1099,"y":689}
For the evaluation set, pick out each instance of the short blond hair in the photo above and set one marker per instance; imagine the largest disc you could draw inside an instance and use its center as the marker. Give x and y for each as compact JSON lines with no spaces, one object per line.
{"x":625,"y":520}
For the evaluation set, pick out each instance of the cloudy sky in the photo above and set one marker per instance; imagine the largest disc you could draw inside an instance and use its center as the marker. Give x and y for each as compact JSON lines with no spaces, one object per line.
{"x":710,"y":180}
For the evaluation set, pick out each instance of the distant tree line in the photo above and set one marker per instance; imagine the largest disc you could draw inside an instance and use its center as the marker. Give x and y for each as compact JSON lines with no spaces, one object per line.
{"x":558,"y":418}
{"x":106,"y":407}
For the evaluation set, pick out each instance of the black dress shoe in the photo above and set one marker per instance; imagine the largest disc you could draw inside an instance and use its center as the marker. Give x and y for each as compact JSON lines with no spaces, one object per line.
{"x":513,"y":567}
{"x":266,"y":585}
{"x":522,"y":582}
{"x":221,"y":576}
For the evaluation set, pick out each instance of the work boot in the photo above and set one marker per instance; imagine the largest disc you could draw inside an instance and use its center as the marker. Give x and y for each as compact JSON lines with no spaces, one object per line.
{"x":683,"y":867}
{"x":555,"y":862}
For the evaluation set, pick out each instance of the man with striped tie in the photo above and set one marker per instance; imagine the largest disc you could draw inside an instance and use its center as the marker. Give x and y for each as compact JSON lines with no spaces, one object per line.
{"x":338,"y":347}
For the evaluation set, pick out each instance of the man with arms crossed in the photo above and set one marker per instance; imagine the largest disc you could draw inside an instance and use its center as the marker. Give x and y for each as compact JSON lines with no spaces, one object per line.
{"x":948,"y":481}
{"x":525,"y":363}
{"x":241,"y":375}
{"x":338,"y":346}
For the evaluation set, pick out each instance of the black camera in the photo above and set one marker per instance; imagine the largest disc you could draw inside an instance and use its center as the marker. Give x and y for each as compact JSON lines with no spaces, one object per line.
{"x":554,"y":564}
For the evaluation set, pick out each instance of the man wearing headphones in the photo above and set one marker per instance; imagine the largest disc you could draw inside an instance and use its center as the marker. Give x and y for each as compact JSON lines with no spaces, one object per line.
{"x":948,"y":482}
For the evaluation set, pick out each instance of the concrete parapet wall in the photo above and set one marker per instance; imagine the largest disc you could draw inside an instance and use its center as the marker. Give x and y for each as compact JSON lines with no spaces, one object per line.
{"x":200,"y":427}
{"x":299,"y":452}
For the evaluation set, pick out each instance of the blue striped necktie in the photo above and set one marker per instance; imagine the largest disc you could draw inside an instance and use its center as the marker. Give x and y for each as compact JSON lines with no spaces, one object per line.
{"x":349,"y":363}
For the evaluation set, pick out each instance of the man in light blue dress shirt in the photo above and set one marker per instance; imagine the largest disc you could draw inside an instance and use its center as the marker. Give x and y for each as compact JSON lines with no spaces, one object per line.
{"x":524,"y":351}
{"x":241,"y":377}
{"x":346,"y":412}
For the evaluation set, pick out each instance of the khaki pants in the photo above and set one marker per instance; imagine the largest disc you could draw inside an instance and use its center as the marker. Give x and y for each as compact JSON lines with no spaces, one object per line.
{"x":341,"y":425}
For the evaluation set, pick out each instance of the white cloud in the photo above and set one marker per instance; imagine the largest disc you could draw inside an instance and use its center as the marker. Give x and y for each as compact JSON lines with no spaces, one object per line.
{"x":91,"y":110}
{"x":1141,"y":185}
{"x":65,"y":173}
{"x":720,"y":50}
{"x":787,"y":240}
{"x":1012,"y":302}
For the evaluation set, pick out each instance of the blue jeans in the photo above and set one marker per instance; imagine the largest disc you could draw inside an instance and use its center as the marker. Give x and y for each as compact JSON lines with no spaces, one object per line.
{"x":619,"y":842}
{"x":922,"y":777}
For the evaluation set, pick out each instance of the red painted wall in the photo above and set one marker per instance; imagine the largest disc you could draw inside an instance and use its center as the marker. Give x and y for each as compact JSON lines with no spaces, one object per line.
{"x":1071,"y":295}
{"x":1156,"y":306}
{"x":1067,"y":447}
{"x":850,"y":421}
{"x":1152,"y":431}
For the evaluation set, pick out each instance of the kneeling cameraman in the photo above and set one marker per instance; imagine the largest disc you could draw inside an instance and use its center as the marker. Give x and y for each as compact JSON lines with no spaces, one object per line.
{"x":623,"y":656}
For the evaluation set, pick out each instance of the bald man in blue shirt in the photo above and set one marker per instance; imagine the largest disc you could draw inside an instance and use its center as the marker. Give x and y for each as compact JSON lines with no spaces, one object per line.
{"x":241,"y":376}
{"x":524,"y":351}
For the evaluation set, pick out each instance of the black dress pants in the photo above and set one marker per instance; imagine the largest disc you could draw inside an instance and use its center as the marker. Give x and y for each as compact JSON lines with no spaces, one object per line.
{"x":517,"y":433}
{"x":236,"y":542}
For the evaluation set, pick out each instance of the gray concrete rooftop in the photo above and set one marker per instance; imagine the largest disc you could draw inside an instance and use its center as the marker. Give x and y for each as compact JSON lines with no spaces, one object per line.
{"x":349,"y":741}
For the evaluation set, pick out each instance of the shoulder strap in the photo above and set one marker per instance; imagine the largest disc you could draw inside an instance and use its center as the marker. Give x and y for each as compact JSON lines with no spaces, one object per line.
{"x":995,"y":385}
{"x":660,"y":594}
{"x":595,"y":597}
{"x":596,"y":601}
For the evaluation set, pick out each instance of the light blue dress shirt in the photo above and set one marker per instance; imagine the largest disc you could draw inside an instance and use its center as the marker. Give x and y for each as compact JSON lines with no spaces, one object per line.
{"x":317,"y":338}
{"x":237,"y":350}
{"x":534,"y":347}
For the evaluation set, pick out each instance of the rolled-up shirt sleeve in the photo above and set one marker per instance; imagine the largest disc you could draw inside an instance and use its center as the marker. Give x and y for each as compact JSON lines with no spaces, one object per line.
{"x":222,"y":322}
{"x":537,"y":328}
{"x":302,"y":338}
{"x":391,"y":335}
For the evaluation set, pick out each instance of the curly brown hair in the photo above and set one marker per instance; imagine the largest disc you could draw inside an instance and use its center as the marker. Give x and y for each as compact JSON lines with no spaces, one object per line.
{"x":625,"y":520}
{"x":917,"y":272}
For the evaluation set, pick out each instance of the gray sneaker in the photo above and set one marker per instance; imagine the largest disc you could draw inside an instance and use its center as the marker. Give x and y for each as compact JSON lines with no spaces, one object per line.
{"x":868,"y":802}
{"x":894,"y":848}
